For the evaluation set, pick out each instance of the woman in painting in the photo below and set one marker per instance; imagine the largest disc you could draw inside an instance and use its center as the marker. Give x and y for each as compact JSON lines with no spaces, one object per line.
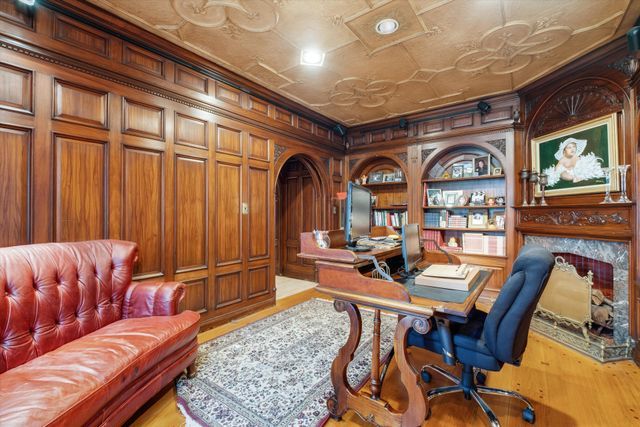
{"x":572,"y":166}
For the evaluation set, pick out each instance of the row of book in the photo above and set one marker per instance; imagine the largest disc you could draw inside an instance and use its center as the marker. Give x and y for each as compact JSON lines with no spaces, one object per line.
{"x":472,"y":243}
{"x":390,"y":218}
{"x":444,"y":219}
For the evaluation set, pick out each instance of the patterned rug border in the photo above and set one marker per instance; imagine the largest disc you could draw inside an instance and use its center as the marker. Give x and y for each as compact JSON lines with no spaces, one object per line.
{"x":193,"y":420}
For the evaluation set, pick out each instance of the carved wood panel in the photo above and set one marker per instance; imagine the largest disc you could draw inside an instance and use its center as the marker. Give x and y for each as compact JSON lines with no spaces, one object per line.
{"x":259,"y":147}
{"x":78,"y":104}
{"x":229,"y":140}
{"x":144,"y":61}
{"x":15,"y":184}
{"x":191,"y":131}
{"x":143,"y":207}
{"x":142,"y":120}
{"x":191,"y":80}
{"x":191,"y":229}
{"x":258,"y":281}
{"x":16,"y":89}
{"x":196,"y":295}
{"x":228,"y":290}
{"x":228,"y":182}
{"x":259,"y":212}
{"x":80,"y":36}
{"x":80,"y":189}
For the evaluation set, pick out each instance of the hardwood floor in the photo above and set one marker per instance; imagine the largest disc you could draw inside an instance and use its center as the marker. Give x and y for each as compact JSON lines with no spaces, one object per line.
{"x":565,"y":387}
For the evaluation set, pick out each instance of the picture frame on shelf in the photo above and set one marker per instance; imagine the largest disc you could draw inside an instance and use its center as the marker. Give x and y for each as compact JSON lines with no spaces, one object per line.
{"x":468,"y":169}
{"x":477,"y":219}
{"x":398,"y":175}
{"x":457,"y":171}
{"x":482,"y":165}
{"x":497,"y":171}
{"x":462,"y":200}
{"x":451,"y":197}
{"x":388,"y":177}
{"x":574,"y":158}
{"x":500,"y":201}
{"x":477,"y":198}
{"x":498,"y":219}
{"x":434,"y":197}
{"x":375,"y":177}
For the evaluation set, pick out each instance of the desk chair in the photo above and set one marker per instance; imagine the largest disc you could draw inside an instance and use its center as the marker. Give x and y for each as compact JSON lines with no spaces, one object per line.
{"x":487,"y":341}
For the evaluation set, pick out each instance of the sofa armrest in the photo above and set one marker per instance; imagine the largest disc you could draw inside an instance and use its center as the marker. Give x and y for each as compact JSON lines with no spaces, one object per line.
{"x":152,"y":299}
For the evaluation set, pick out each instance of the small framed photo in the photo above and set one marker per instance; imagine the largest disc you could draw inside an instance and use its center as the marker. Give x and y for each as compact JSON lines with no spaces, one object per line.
{"x":500,"y":201}
{"x":477,"y":198}
{"x":451,"y":197}
{"x":434,"y":197}
{"x":388,"y":177}
{"x":482,"y":165}
{"x":497,"y":171}
{"x":462,"y":201}
{"x":375,"y":177}
{"x":498,"y":219}
{"x":457,"y":171}
{"x":477,"y":219}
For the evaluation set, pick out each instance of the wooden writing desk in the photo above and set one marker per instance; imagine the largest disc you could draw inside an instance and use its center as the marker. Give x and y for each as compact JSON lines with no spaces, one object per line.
{"x":339,"y":276}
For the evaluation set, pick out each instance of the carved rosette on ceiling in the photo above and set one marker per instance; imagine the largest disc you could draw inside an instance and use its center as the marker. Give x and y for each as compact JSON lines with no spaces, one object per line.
{"x":500,"y":144}
{"x":365,"y":93}
{"x":426,"y":153}
{"x":574,"y":218}
{"x":581,"y":102}
{"x":232,"y":16}
{"x":510,"y":48}
{"x":278,"y":150}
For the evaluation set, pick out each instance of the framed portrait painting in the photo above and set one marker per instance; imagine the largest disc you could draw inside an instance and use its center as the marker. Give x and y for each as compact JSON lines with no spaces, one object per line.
{"x":575,"y":159}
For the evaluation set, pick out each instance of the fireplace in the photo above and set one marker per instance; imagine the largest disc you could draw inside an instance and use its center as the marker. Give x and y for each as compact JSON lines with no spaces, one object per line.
{"x":609,"y":264}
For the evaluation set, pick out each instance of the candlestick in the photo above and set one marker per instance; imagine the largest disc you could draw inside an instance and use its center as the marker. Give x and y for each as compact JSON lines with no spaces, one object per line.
{"x":607,"y":186}
{"x":524,"y":175}
{"x":622,"y":169}
{"x":533,"y":179}
{"x":543,"y":181}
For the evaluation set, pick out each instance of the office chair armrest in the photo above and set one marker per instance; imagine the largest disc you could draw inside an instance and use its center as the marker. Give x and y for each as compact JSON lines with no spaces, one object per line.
{"x":446,"y":339}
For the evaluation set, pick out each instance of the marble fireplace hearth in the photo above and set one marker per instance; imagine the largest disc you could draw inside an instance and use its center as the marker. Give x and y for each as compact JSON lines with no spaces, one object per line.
{"x":601,"y":348}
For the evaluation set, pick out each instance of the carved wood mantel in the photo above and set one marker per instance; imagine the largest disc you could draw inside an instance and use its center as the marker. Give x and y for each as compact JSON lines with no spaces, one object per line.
{"x":610,"y":222}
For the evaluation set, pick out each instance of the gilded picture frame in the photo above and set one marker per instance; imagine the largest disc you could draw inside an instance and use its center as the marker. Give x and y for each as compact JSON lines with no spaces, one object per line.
{"x":574,"y":158}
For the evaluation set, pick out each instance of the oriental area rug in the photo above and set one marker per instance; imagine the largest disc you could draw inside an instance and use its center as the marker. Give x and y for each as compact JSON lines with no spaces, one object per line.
{"x":276,"y":371}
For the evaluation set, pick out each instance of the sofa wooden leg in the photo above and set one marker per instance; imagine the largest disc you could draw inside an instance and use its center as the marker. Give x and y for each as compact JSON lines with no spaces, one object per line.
{"x":191,"y":370}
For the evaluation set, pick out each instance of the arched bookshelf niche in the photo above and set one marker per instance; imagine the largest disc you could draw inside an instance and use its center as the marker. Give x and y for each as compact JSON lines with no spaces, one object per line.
{"x":464,"y":204}
{"x":387,"y":180}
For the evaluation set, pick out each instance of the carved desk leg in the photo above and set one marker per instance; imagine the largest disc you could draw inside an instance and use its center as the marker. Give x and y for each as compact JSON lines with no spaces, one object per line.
{"x":417,"y":404}
{"x":375,"y":357}
{"x":337,"y":405}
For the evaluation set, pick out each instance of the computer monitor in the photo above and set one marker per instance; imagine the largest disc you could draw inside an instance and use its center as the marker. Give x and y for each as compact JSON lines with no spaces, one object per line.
{"x":358,"y":213}
{"x":411,"y":251}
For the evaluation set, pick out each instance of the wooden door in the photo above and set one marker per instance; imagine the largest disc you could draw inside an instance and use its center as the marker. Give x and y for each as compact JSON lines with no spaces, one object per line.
{"x":299,"y":214}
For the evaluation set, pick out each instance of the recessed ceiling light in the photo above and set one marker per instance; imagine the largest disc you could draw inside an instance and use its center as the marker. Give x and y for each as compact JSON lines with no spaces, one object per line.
{"x":311,"y":57}
{"x":28,"y":2}
{"x":387,"y":26}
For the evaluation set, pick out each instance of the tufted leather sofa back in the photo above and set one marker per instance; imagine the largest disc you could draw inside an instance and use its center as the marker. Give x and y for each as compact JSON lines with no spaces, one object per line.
{"x":55,"y":293}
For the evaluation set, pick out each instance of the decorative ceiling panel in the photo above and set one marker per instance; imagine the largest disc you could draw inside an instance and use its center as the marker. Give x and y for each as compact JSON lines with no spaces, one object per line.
{"x":444,"y":52}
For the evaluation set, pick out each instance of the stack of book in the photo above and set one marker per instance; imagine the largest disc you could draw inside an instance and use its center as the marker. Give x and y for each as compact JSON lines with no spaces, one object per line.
{"x":477,"y":243}
{"x":457,"y":221}
{"x":447,"y":276}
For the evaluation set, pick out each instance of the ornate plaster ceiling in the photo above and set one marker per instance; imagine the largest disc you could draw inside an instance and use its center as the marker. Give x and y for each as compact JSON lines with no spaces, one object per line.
{"x":445,"y":51}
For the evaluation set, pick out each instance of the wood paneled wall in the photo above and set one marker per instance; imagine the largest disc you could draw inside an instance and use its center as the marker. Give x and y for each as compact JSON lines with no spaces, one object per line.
{"x":100,"y":138}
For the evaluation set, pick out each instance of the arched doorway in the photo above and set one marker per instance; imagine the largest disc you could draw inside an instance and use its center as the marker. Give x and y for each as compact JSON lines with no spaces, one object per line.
{"x":299,"y":204}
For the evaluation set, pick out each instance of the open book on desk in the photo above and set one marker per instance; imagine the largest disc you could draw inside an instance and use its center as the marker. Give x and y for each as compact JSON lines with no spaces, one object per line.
{"x":448,"y":278}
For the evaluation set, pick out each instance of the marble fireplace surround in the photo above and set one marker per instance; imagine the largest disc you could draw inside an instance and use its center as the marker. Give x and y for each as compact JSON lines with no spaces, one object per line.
{"x":615,"y":253}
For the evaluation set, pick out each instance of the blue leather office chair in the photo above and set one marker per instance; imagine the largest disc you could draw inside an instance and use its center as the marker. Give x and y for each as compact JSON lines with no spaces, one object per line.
{"x":487,"y":341}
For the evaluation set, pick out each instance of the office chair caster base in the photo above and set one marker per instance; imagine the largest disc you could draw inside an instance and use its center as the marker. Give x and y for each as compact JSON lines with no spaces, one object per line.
{"x":528,"y":415}
{"x":481,"y":378}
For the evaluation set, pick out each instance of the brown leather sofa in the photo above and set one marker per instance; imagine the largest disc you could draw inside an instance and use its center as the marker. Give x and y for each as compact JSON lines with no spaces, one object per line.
{"x":80,"y":343}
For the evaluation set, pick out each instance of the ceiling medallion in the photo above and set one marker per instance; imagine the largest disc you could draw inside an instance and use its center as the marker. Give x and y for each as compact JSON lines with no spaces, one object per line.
{"x":365,"y":93}
{"x":387,"y":26}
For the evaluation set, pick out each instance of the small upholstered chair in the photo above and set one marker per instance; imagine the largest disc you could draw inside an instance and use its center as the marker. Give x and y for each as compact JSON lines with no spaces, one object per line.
{"x":487,"y":341}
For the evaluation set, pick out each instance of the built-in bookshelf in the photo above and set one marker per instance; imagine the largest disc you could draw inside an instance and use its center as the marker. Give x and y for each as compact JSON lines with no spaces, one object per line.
{"x":464,"y":203}
{"x":387,"y":182}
